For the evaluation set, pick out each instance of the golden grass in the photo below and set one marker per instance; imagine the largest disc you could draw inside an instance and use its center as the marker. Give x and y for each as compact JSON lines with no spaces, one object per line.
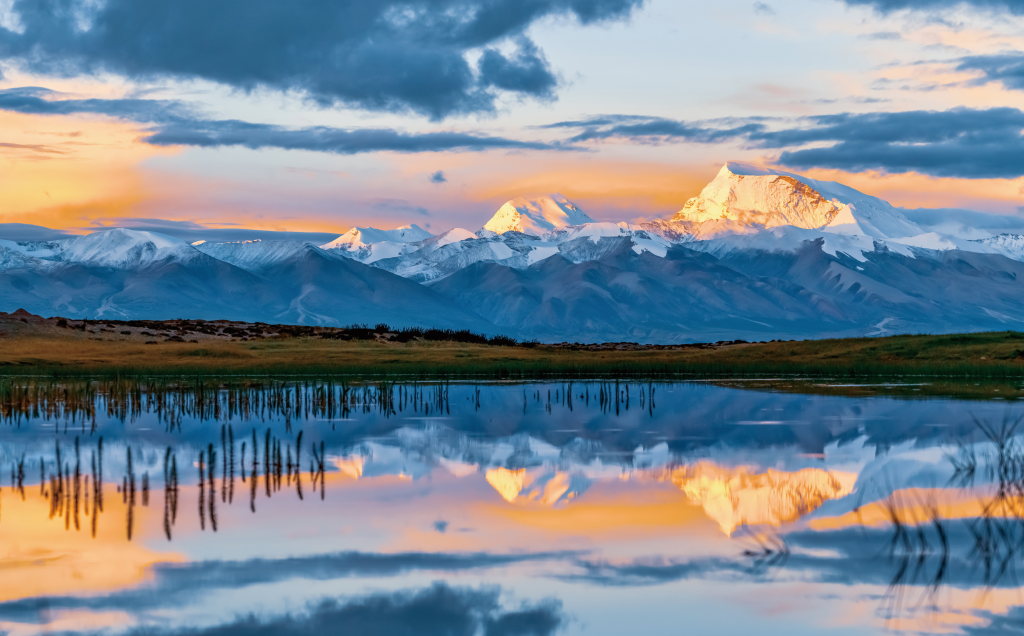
{"x":59,"y":350}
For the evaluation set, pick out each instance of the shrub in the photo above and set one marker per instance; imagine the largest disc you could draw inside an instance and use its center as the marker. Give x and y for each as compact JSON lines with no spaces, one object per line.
{"x":502,"y":341}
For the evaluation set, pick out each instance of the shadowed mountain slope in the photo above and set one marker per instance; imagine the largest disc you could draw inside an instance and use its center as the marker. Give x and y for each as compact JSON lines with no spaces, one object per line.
{"x":755,"y":295}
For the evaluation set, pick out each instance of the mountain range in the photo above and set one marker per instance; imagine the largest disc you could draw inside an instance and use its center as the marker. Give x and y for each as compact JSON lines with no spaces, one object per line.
{"x":759,"y":254}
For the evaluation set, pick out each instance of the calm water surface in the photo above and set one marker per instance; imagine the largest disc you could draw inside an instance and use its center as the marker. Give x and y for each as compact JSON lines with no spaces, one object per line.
{"x":505,"y":509}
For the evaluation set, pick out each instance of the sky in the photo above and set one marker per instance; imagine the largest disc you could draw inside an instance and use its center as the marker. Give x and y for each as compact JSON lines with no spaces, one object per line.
{"x":244,"y":119}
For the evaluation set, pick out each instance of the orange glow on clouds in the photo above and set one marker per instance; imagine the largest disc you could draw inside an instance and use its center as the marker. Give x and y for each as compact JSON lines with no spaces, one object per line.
{"x":914,"y":190}
{"x":79,"y":173}
{"x":60,"y":171}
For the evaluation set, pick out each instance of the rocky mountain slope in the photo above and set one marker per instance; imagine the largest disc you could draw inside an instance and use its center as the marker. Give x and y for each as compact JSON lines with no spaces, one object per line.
{"x":124,"y":274}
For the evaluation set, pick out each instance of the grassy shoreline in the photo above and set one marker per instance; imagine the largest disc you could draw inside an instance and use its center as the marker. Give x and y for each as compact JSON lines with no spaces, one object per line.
{"x":65,"y":353}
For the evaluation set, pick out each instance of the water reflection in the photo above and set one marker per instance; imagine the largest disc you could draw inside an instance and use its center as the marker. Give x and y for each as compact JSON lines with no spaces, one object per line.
{"x":594,"y":506}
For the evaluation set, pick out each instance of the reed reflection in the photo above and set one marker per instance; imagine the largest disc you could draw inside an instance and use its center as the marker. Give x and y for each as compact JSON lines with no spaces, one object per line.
{"x":172,"y":401}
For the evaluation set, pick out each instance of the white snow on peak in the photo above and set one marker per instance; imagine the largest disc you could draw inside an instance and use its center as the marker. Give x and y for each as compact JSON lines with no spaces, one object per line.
{"x":359,"y":237}
{"x":451,"y":236}
{"x":121,"y":247}
{"x":750,"y":195}
{"x":253,"y":255}
{"x":536,"y":216}
{"x":368,"y":244}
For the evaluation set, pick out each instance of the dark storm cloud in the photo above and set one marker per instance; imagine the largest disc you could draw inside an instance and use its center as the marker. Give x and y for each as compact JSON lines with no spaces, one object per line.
{"x":961,"y":142}
{"x":387,"y":55}
{"x":526,"y":73}
{"x":1007,"y":68}
{"x":437,"y":610}
{"x":1015,"y":7}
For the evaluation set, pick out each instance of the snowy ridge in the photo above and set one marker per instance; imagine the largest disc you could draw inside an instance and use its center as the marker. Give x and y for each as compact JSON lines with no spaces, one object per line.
{"x":760,"y":254}
{"x":1009,"y":245}
{"x":255,"y":255}
{"x":534,"y":216}
{"x":743,"y":208}
{"x":12,"y":258}
{"x":366,"y":235}
{"x":122,"y":248}
{"x":368,"y":244}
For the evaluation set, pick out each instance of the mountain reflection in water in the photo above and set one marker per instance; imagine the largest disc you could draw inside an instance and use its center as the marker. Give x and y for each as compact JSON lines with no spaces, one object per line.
{"x":591,"y":507}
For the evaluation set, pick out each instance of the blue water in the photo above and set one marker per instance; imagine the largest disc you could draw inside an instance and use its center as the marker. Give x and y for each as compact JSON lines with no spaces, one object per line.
{"x":591,"y":508}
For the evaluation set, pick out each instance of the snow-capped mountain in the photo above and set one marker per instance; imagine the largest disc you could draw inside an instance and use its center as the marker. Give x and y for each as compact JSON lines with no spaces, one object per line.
{"x":253,"y":256}
{"x":534,"y":216}
{"x":367,"y":244}
{"x":125,"y":274}
{"x":443,"y":255}
{"x":118,"y":248}
{"x":748,"y":195}
{"x":758,"y":255}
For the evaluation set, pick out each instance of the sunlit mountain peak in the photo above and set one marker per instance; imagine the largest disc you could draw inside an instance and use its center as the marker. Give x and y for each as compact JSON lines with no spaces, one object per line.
{"x":536,"y":216}
{"x":746,"y":195}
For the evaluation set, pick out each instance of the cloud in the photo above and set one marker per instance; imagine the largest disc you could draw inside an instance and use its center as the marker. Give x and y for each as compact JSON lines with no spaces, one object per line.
{"x":438,"y":177}
{"x":211,"y":134}
{"x":27,"y":232}
{"x":36,"y":100}
{"x":889,"y":6}
{"x":34,"y":147}
{"x":654,"y":129}
{"x":527,"y":73}
{"x":966,"y":223}
{"x":961,"y":142}
{"x":176,"y":124}
{"x":437,"y":610}
{"x":1007,"y":68}
{"x":190,"y":231}
{"x":400,"y":206}
{"x":882,"y":35}
{"x":761,"y":8}
{"x":387,"y":55}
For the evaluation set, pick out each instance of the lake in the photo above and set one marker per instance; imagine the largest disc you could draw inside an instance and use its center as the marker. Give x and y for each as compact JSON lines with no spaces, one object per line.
{"x":309,"y":507}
